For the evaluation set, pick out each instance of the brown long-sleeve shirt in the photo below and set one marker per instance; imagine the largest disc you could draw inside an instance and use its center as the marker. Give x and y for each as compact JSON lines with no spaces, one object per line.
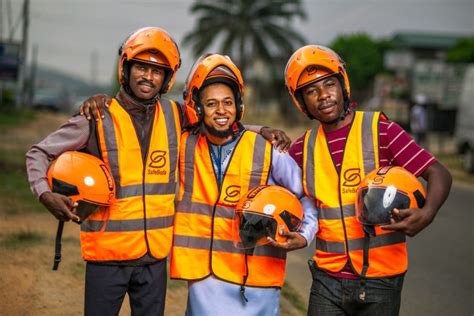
{"x":79,"y":134}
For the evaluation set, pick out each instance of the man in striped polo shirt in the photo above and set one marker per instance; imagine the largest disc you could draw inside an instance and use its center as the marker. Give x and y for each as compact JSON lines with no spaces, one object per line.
{"x":347,"y":277}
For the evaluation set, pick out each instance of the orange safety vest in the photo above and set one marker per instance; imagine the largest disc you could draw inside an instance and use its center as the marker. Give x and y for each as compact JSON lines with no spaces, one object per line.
{"x":140,"y":220}
{"x":202,"y":243}
{"x":341,"y":236}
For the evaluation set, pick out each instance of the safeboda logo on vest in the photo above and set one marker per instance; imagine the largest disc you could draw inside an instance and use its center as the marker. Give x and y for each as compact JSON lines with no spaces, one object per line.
{"x":158,"y":161}
{"x":351,"y":180}
{"x":232,"y":194}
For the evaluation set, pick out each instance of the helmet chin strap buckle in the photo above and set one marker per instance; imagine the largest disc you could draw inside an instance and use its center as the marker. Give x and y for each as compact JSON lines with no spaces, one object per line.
{"x":347,"y":110}
{"x":370,"y":230}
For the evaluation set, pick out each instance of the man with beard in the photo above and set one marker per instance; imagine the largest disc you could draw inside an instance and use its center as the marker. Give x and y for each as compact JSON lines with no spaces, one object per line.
{"x":219,"y":162}
{"x":126,"y":244}
{"x":357,"y":270}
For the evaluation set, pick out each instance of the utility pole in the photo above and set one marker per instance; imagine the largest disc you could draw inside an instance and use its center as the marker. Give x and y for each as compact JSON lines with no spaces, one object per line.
{"x":24,"y":54}
{"x":13,"y":51}
{"x":32,"y":81}
{"x":1,"y":38}
{"x":1,"y":20}
{"x":94,"y":66}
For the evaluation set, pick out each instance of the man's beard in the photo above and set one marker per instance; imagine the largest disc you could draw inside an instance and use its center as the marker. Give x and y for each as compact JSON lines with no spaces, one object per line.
{"x":219,"y":133}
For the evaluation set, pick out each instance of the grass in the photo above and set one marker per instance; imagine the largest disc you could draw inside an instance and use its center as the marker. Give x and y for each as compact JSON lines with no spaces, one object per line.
{"x":69,"y":239}
{"x":176,"y":284}
{"x":454,"y":163}
{"x":15,"y":194}
{"x":290,"y":294}
{"x":12,"y":117}
{"x":78,"y":269}
{"x":22,"y":239}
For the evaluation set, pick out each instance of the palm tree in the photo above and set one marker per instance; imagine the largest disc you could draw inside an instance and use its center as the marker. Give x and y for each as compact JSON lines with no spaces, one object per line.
{"x":246,"y":28}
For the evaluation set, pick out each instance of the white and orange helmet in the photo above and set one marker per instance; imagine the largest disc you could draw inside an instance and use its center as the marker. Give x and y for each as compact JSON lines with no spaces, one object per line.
{"x":384,"y":189}
{"x":262,"y":212}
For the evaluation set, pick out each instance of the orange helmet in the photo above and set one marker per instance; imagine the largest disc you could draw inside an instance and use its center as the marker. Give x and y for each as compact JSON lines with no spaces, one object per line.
{"x":383,"y":190}
{"x":151,"y":45}
{"x":84,"y":179}
{"x":208,"y":69}
{"x":312,"y":63}
{"x":262,"y":212}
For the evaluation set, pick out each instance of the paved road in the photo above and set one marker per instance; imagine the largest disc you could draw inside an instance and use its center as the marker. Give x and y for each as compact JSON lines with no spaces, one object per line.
{"x":440,"y":275}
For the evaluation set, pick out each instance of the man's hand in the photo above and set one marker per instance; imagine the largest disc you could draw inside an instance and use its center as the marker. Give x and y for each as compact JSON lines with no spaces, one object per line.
{"x":60,"y":206}
{"x":409,"y":221}
{"x":277,"y":137}
{"x":294,"y":241}
{"x":94,"y":106}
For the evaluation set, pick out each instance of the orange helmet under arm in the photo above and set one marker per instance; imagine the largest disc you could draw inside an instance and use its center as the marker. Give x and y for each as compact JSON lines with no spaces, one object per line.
{"x":384,"y":189}
{"x":84,"y":179}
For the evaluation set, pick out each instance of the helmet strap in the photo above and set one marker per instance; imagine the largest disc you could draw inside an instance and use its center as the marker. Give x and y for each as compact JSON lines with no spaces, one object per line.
{"x":244,"y":281}
{"x":202,"y":128}
{"x":299,"y":97}
{"x":365,"y":262}
{"x":369,"y":229}
{"x":344,"y":114}
{"x":345,"y":94}
{"x":166,"y":82}
{"x":57,"y":248}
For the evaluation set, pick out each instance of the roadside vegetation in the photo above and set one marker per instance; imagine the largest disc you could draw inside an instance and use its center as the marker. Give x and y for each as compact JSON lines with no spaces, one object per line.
{"x":27,"y":235}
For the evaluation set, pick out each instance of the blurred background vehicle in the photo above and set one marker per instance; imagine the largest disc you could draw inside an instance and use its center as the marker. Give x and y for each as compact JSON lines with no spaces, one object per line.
{"x":465,"y":121}
{"x":49,"y":100}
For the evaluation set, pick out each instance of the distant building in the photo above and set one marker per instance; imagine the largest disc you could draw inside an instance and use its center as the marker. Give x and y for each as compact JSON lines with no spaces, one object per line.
{"x":419,"y":58}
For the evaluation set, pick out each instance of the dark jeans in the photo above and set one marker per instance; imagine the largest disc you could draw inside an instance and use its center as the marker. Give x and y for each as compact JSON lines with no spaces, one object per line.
{"x":106,"y":287}
{"x":337,"y":296}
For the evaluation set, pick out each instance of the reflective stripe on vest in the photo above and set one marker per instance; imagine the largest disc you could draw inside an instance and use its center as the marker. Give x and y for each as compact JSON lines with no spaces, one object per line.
{"x":129,"y":225}
{"x":111,"y":144}
{"x":339,"y":232}
{"x":203,"y":224}
{"x":141,"y":218}
{"x":224,"y":246}
{"x":358,"y":244}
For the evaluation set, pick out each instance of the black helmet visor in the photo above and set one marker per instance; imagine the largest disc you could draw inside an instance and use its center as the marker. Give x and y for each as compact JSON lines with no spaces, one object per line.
{"x":251,"y":230}
{"x":377,"y":203}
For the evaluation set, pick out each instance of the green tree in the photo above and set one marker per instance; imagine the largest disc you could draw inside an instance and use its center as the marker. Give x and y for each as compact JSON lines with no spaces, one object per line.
{"x":246,"y":29}
{"x":462,"y":52}
{"x":363,"y":57}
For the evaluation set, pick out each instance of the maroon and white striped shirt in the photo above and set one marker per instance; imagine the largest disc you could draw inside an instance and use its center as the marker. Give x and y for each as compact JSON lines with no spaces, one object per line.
{"x":396,"y":146}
